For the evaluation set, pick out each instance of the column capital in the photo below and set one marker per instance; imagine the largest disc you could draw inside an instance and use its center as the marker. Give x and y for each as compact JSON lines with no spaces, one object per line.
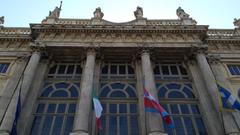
{"x":91,"y":51}
{"x":216,"y":59}
{"x":201,"y":48}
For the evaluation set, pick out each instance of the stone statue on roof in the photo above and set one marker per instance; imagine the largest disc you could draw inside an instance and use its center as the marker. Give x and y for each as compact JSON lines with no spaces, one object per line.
{"x":2,"y":20}
{"x":56,"y":12}
{"x":98,"y":14}
{"x":236,"y":22}
{"x":138,"y":13}
{"x":182,"y":14}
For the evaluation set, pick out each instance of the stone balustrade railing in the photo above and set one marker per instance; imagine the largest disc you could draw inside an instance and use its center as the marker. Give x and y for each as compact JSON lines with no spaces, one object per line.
{"x":15,"y":31}
{"x":222,"y":32}
{"x":164,"y":22}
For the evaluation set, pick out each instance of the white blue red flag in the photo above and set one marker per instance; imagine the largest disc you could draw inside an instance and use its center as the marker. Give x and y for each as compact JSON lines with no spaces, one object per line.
{"x":228,"y":100}
{"x":152,"y":105}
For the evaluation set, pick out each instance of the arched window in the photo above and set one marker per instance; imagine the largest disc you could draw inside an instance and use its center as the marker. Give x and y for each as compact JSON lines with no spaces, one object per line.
{"x":120,"y":109}
{"x":55,"y":111}
{"x":182,"y":105}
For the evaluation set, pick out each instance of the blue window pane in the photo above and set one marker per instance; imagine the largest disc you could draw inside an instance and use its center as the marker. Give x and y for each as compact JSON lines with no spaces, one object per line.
{"x":175,"y":94}
{"x":195,"y":109}
{"x":77,"y":85}
{"x":57,"y":125}
{"x":230,"y":67}
{"x":47,"y":125}
{"x":79,"y":69}
{"x":51,"y":108}
{"x":52,"y":70}
{"x":122,"y":69}
{"x":173,"y":86}
{"x":178,"y":125}
{"x":104,"y":107}
{"x":174,"y":70}
{"x":68,"y":125}
{"x":134,"y":125}
{"x":70,"y":69}
{"x":113,"y":69}
{"x":156,"y":70}
{"x":201,"y":127}
{"x":236,"y":69}
{"x":117,"y":86}
{"x":61,"y":108}
{"x":74,"y":91}
{"x":123,"y":125}
{"x":188,"y":92}
{"x":122,"y":108}
{"x":61,"y":69}
{"x":165,"y":107}
{"x":103,"y":122}
{"x":105,"y":69}
{"x":130,"y":70}
{"x":60,"y":93}
{"x":161,"y":92}
{"x":105,"y":92}
{"x":61,"y":85}
{"x":46,"y":91}
{"x":189,"y":126}
{"x":112,"y":125}
{"x":40,"y":108}
{"x":72,"y":108}
{"x":174,"y":109}
{"x":4,"y":67}
{"x":130,"y":92}
{"x":113,"y":108}
{"x":184,"y":109}
{"x":133,"y":108}
{"x":118,"y":94}
{"x":170,"y":131}
{"x":36,"y":125}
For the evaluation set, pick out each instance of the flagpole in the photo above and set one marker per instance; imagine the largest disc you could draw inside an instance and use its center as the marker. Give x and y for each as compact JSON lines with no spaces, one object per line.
{"x":15,"y":90}
{"x":223,"y":123}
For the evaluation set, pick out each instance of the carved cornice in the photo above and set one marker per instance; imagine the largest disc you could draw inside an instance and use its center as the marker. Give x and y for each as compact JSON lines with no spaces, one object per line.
{"x":15,"y":34}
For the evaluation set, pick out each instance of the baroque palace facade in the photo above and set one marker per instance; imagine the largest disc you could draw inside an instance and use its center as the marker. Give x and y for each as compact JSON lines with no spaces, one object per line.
{"x":55,"y":65}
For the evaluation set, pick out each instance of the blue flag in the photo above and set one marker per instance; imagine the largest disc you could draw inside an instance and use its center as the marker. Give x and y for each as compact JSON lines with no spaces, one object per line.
{"x":17,"y":115}
{"x":228,"y":100}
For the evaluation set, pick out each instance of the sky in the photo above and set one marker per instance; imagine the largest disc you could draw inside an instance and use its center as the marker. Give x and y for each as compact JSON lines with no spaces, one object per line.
{"x":215,"y":13}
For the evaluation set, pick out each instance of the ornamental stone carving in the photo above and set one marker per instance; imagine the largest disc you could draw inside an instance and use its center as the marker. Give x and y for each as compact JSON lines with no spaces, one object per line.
{"x":1,"y":20}
{"x":236,"y":22}
{"x":98,"y":14}
{"x":138,"y":13}
{"x":184,"y":17}
{"x":56,"y":12}
{"x":182,"y":14}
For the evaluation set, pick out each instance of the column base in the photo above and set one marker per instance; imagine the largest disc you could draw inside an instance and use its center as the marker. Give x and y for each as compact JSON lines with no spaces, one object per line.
{"x":4,"y":133}
{"x":157,"y":133}
{"x":77,"y":133}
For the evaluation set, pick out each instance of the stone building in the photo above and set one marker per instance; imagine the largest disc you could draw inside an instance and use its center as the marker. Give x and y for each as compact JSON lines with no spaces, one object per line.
{"x":56,"y":64}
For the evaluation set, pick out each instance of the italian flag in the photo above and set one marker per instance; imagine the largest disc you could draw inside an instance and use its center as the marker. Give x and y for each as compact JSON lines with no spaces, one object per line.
{"x":98,"y":109}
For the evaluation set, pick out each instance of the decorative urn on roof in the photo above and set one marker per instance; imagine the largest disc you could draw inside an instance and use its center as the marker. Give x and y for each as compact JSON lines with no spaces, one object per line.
{"x":236,"y":22}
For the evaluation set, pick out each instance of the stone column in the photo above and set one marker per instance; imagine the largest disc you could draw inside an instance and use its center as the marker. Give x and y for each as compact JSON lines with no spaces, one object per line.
{"x":25,"y":84}
{"x":11,"y":84}
{"x":37,"y":84}
{"x":81,"y":121}
{"x":219,"y":72}
{"x":210,"y":115}
{"x":154,"y":120}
